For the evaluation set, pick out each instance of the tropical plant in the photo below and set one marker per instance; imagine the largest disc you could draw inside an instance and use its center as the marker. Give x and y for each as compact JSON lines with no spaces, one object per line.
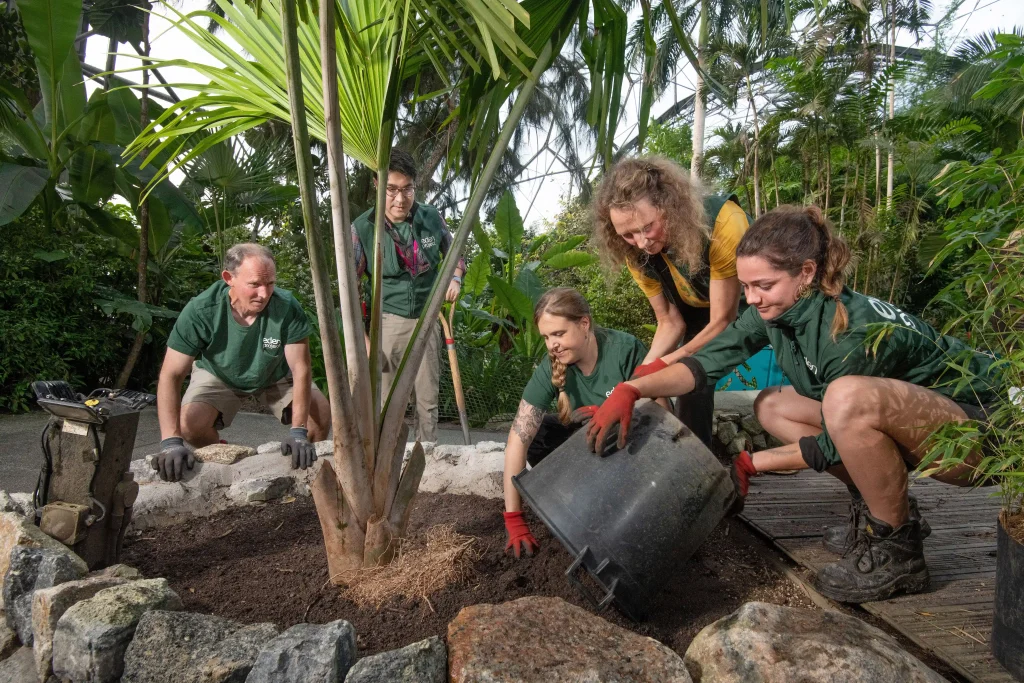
{"x":504,"y":281}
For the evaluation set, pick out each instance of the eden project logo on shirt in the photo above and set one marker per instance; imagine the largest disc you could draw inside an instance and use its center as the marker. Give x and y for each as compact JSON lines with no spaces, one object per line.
{"x":270,"y":343}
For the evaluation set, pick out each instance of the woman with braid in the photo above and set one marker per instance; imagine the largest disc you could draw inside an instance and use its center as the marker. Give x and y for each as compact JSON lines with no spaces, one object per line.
{"x":583,"y":365}
{"x":870,"y":384}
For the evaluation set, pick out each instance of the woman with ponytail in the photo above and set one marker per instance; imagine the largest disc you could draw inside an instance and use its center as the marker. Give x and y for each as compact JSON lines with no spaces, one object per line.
{"x":870,"y":384}
{"x":583,"y":365}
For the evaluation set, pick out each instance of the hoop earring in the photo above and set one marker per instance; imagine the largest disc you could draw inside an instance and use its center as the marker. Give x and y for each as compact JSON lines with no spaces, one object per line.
{"x":803,"y":291}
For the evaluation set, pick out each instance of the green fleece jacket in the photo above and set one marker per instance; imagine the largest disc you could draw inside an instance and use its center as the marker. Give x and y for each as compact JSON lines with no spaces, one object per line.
{"x":909,"y":350}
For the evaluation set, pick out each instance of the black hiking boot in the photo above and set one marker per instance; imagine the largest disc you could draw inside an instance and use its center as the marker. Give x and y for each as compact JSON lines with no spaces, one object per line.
{"x":839,"y":539}
{"x":882,"y":562}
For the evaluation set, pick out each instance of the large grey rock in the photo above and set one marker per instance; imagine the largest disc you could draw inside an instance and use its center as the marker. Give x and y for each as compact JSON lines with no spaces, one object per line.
{"x":764,"y":643}
{"x":547,"y":639}
{"x":16,"y":530}
{"x":120,"y":571}
{"x":50,"y":604}
{"x":750,"y":425}
{"x":92,"y":636}
{"x":727,"y":431}
{"x":182,"y":647}
{"x":19,"y":667}
{"x":32,"y":569}
{"x":422,"y":662}
{"x":307,"y":653}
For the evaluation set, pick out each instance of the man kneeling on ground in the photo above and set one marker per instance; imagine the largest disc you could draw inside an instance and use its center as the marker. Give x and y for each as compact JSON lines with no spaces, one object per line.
{"x":241,"y":337}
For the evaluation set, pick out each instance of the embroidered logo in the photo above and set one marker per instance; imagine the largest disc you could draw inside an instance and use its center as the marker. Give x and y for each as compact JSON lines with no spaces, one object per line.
{"x":813,"y":368}
{"x":270,"y":344}
{"x":427,"y":242}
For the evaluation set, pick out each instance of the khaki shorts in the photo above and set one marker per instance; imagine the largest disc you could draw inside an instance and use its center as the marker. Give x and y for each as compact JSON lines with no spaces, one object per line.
{"x":205,"y":387}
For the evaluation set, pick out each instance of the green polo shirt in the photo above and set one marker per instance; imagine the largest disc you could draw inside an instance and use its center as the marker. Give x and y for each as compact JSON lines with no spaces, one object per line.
{"x":246,"y":358}
{"x":618,"y":355}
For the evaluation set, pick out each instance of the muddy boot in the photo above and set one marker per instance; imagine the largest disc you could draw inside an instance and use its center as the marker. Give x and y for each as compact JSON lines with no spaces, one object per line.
{"x":882,"y":562}
{"x":839,"y":539}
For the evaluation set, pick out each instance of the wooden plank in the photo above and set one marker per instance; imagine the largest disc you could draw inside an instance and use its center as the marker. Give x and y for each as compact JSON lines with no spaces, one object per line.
{"x":954,"y":619}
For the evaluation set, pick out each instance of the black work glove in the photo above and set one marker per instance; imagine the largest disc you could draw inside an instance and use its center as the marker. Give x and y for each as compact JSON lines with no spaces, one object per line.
{"x":174,"y":457}
{"x":298,"y":446}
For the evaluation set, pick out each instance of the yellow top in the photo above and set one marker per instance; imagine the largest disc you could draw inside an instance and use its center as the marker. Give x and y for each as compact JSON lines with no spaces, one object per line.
{"x":730,"y":225}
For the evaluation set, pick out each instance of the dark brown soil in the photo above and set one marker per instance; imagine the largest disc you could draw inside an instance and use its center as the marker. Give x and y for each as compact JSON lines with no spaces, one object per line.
{"x":267,"y":563}
{"x":1014,"y":525}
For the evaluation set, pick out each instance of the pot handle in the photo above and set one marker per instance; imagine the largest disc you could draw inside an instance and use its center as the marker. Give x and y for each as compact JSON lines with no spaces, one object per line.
{"x":570,"y":574}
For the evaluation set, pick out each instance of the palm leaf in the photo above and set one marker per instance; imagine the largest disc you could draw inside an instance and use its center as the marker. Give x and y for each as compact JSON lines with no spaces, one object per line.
{"x":245,"y":91}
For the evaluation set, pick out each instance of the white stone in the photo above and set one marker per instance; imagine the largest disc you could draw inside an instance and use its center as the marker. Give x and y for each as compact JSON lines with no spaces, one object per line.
{"x":488,"y":446}
{"x":269,"y":447}
{"x":206,"y":476}
{"x":325,"y":447}
{"x":271,"y":464}
{"x":143,"y":470}
{"x":464,"y":470}
{"x":261,"y":489}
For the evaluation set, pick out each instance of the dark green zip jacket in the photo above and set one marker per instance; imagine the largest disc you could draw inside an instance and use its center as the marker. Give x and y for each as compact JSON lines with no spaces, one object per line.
{"x":402,"y":293}
{"x":910,"y":350}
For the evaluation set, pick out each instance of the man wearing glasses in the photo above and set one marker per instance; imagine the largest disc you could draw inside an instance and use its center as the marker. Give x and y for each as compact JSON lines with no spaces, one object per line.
{"x":415,"y":242}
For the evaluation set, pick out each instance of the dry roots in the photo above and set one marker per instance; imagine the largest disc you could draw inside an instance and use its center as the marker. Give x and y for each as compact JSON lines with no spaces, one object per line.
{"x":446,"y":559}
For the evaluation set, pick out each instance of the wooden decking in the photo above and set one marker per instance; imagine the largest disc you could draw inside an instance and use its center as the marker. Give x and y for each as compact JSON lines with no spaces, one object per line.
{"x":954,"y":619}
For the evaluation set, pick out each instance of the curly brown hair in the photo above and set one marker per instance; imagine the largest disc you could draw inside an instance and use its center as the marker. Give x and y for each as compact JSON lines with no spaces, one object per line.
{"x":668,"y":188}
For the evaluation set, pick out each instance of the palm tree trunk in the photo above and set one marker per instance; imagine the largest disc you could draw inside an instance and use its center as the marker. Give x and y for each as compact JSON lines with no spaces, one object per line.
{"x":757,"y":144}
{"x":699,"y":97}
{"x":892,"y":108}
{"x":143,"y":258}
{"x":352,"y":503}
{"x":775,"y":177}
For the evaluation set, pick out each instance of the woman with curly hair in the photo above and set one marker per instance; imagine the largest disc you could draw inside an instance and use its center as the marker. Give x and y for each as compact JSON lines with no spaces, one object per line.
{"x":680,"y":248}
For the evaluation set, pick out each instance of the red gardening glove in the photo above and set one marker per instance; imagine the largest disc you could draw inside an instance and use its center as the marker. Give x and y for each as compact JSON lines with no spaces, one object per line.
{"x":616,"y":410}
{"x":649,"y":369}
{"x":583,"y":415}
{"x":519,"y":537}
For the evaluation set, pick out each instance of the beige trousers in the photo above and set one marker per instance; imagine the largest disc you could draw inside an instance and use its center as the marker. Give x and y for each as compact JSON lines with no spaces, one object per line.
{"x":396,"y":332}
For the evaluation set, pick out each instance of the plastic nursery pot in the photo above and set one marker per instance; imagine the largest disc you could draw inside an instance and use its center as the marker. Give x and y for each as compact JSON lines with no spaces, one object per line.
{"x":1008,"y":616}
{"x":632,"y":517}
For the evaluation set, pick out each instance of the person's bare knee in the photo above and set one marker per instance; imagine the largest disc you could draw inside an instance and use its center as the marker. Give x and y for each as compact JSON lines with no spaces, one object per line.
{"x":319,"y":417}
{"x":766,"y":405}
{"x":197,"y":424}
{"x":851,"y":402}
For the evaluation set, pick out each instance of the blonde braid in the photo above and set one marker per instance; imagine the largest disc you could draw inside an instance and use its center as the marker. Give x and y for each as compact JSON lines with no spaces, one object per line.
{"x":558,"y":369}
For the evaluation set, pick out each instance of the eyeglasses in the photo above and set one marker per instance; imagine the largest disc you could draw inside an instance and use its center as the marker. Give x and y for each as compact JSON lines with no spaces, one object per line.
{"x":408,"y":190}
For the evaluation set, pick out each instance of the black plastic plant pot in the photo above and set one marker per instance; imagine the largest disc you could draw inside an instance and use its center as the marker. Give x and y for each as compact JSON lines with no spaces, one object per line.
{"x":630,"y":518}
{"x":1008,"y":617}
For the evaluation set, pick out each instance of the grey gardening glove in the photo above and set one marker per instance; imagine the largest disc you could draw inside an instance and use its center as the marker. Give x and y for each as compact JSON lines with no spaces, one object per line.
{"x":174,"y":457}
{"x":298,"y":446}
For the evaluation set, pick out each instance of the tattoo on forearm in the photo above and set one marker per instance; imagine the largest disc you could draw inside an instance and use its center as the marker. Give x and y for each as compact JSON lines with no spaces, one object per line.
{"x":527,"y":421}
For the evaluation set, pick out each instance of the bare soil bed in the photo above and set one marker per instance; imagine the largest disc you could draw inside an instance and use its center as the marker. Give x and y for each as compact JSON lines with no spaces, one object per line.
{"x":267,"y":563}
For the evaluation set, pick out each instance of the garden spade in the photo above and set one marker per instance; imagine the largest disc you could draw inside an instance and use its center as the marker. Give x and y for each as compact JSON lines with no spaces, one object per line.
{"x":453,"y":360}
